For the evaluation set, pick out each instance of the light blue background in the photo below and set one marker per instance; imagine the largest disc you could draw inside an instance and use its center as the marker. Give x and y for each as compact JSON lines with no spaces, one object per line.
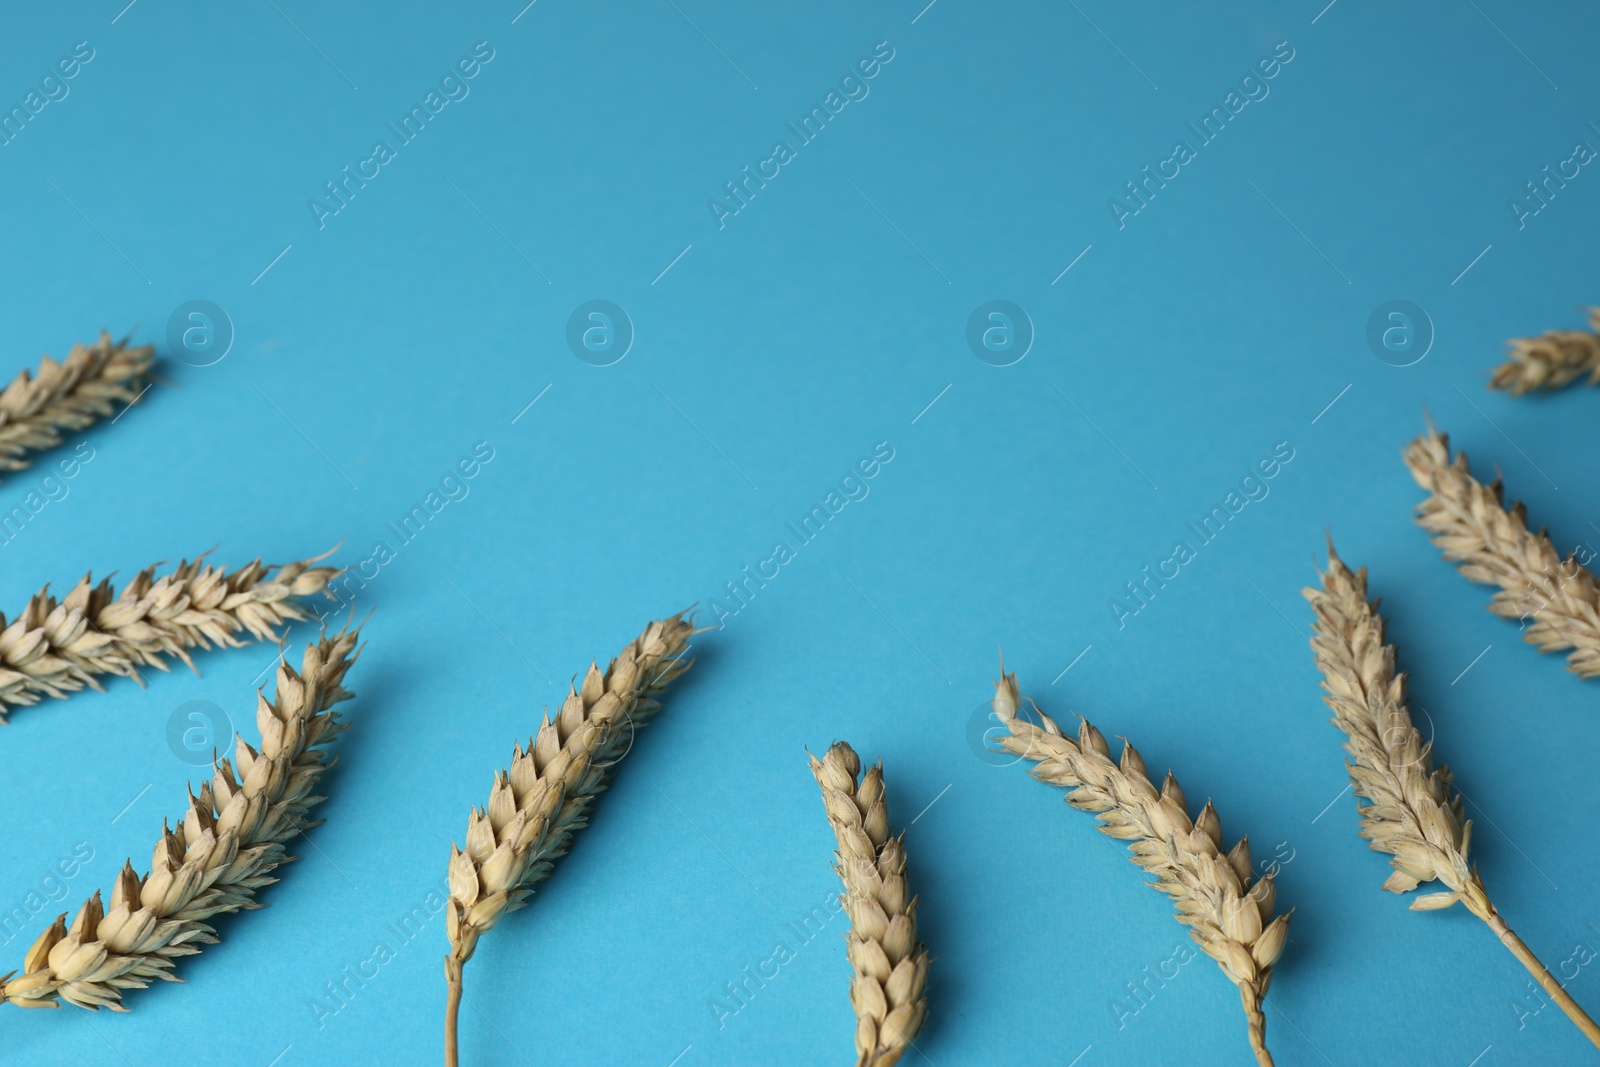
{"x":378,"y":350}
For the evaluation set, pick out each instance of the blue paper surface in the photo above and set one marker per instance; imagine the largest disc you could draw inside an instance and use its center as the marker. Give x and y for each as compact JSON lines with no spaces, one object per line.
{"x":771,"y":319}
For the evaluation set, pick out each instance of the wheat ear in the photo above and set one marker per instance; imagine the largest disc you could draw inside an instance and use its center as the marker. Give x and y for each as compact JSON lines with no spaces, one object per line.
{"x":57,"y":647}
{"x":228,"y":843}
{"x":36,"y":408}
{"x":1413,"y":813}
{"x":1552,"y":361}
{"x":537,"y":805}
{"x":890,"y":964}
{"x":1493,"y":545}
{"x":1229,"y":915}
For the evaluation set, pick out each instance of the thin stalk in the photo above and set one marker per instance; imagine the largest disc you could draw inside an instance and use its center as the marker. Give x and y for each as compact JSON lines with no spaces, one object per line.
{"x":452,"y":1011}
{"x":1540,"y":972}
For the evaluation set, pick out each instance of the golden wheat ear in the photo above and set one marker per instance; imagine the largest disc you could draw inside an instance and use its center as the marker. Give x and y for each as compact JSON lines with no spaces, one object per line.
{"x":1229,"y":914}
{"x":544,"y":798}
{"x":36,"y":409}
{"x":56,"y":647}
{"x":890,"y":964}
{"x":1551,"y":361}
{"x":225,"y":848}
{"x":1492,"y":544}
{"x":1412,"y":811}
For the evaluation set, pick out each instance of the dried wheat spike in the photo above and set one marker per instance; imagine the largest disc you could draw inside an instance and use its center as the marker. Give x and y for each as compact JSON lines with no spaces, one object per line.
{"x":890,"y":964}
{"x":1412,"y":812}
{"x":36,"y":408}
{"x":536,"y":806}
{"x":226,"y":847}
{"x":57,"y":647}
{"x":1493,"y":545}
{"x":1229,"y":914}
{"x":1552,"y":361}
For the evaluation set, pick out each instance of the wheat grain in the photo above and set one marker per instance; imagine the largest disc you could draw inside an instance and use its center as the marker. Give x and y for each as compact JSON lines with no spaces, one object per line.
{"x":890,"y":964}
{"x":1413,"y":812}
{"x":1552,"y":361}
{"x":228,"y":843}
{"x":544,"y":798}
{"x":1229,"y":914}
{"x":1493,"y":545}
{"x":35,"y":409}
{"x":57,"y":647}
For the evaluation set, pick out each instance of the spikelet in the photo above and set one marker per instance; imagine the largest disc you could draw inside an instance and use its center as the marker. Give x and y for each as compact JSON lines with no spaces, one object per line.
{"x":225,"y":849}
{"x":1552,"y":361}
{"x":57,"y":647}
{"x":1229,"y":914}
{"x":1493,"y":545}
{"x":1412,"y":811}
{"x":890,"y":964}
{"x":35,"y":409}
{"x":537,"y":805}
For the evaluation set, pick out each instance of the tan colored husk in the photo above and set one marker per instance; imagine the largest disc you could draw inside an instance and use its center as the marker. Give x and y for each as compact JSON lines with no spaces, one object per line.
{"x":228,"y":843}
{"x":35,"y":409}
{"x":1551,"y":361}
{"x":1229,"y":914}
{"x":1493,"y":545}
{"x":537,"y":805}
{"x":57,"y":647}
{"x":890,"y":964}
{"x":1413,"y":813}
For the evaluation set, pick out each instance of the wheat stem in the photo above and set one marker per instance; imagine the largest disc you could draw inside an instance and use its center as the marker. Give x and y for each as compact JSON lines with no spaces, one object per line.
{"x":1542,"y":975}
{"x":890,"y":964}
{"x":1414,"y":813}
{"x":452,"y":1011}
{"x":57,"y":647}
{"x":544,"y":798}
{"x":35,"y":409}
{"x":1229,"y":915}
{"x":1493,"y":545}
{"x":1552,"y":361}
{"x":229,"y":842}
